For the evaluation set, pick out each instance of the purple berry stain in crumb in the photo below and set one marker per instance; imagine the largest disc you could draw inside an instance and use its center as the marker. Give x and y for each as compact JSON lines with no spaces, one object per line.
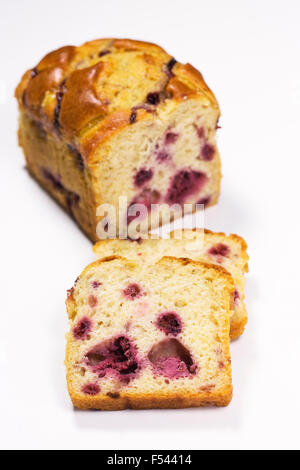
{"x":236,"y":296}
{"x":170,"y":323}
{"x":115,"y":356}
{"x":91,"y":389}
{"x":146,"y":198}
{"x":142,"y":176}
{"x":204,"y":200}
{"x":162,"y":156}
{"x":92,"y":301}
{"x":219,"y":250}
{"x":72,"y":199}
{"x":59,"y":96}
{"x":207,"y":152}
{"x":184,"y":184}
{"x":77,"y":155}
{"x":171,"y":138}
{"x":53,"y":179}
{"x":132,"y":118}
{"x":172,"y":359}
{"x":96,"y":284}
{"x":82,"y":328}
{"x":70,"y":293}
{"x":200,"y":132}
{"x":132,"y":291}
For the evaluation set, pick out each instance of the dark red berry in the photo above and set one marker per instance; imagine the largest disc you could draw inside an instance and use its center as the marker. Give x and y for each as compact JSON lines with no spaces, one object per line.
{"x":34,"y":72}
{"x":220,"y":249}
{"x":132,"y":292}
{"x":102,"y":53}
{"x":115,"y":355}
{"x":91,"y":389}
{"x":163,"y":156}
{"x":171,"y":138}
{"x":169,"y":323}
{"x":132,"y":118}
{"x":153,"y":98}
{"x":142,"y":176}
{"x":96,"y":284}
{"x":82,"y":328}
{"x":207,"y":152}
{"x":184,"y":184}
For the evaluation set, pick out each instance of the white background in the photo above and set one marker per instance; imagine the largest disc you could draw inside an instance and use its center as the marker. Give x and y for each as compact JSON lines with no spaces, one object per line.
{"x":248,"y":52}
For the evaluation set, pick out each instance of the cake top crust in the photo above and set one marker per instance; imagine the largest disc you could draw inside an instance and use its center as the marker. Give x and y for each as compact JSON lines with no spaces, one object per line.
{"x":104,"y":85}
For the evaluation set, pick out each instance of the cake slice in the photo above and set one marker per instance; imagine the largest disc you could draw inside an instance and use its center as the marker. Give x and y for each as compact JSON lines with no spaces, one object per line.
{"x":229,"y":251}
{"x":149,"y":336}
{"x":119,"y":122}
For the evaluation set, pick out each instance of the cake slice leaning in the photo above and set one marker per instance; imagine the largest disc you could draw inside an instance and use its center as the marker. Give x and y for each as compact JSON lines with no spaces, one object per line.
{"x":149,"y":336}
{"x":229,"y":251}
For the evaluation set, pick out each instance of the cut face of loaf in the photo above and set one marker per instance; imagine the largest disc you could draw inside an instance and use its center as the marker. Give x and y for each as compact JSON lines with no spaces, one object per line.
{"x":155,"y":336}
{"x":227,"y":251}
{"x":118,"y":118}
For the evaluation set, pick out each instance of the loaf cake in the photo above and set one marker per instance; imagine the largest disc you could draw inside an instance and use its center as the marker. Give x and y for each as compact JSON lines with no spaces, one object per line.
{"x":118,"y":117}
{"x":153,"y":336}
{"x":228,"y":251}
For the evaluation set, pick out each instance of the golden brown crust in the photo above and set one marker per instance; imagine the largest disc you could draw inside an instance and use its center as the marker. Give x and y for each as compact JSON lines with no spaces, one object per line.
{"x":81,"y":102}
{"x":142,"y":401}
{"x":45,"y":77}
{"x":237,"y":328}
{"x":134,"y":45}
{"x":189,"y":72}
{"x":105,"y":129}
{"x":179,"y":90}
{"x":73,"y":89}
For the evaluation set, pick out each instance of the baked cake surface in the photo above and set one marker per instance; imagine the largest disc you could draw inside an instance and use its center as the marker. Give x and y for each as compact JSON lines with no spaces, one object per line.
{"x":229,"y":251}
{"x":118,"y":117}
{"x":154,"y":336}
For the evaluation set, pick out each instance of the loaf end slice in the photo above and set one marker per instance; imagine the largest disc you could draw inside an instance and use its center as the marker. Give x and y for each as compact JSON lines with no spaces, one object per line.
{"x":229,"y":251}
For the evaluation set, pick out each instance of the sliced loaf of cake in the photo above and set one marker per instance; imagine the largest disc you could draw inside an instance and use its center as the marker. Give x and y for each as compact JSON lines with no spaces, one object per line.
{"x":117,"y":119}
{"x":229,"y":251}
{"x":149,"y":336}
